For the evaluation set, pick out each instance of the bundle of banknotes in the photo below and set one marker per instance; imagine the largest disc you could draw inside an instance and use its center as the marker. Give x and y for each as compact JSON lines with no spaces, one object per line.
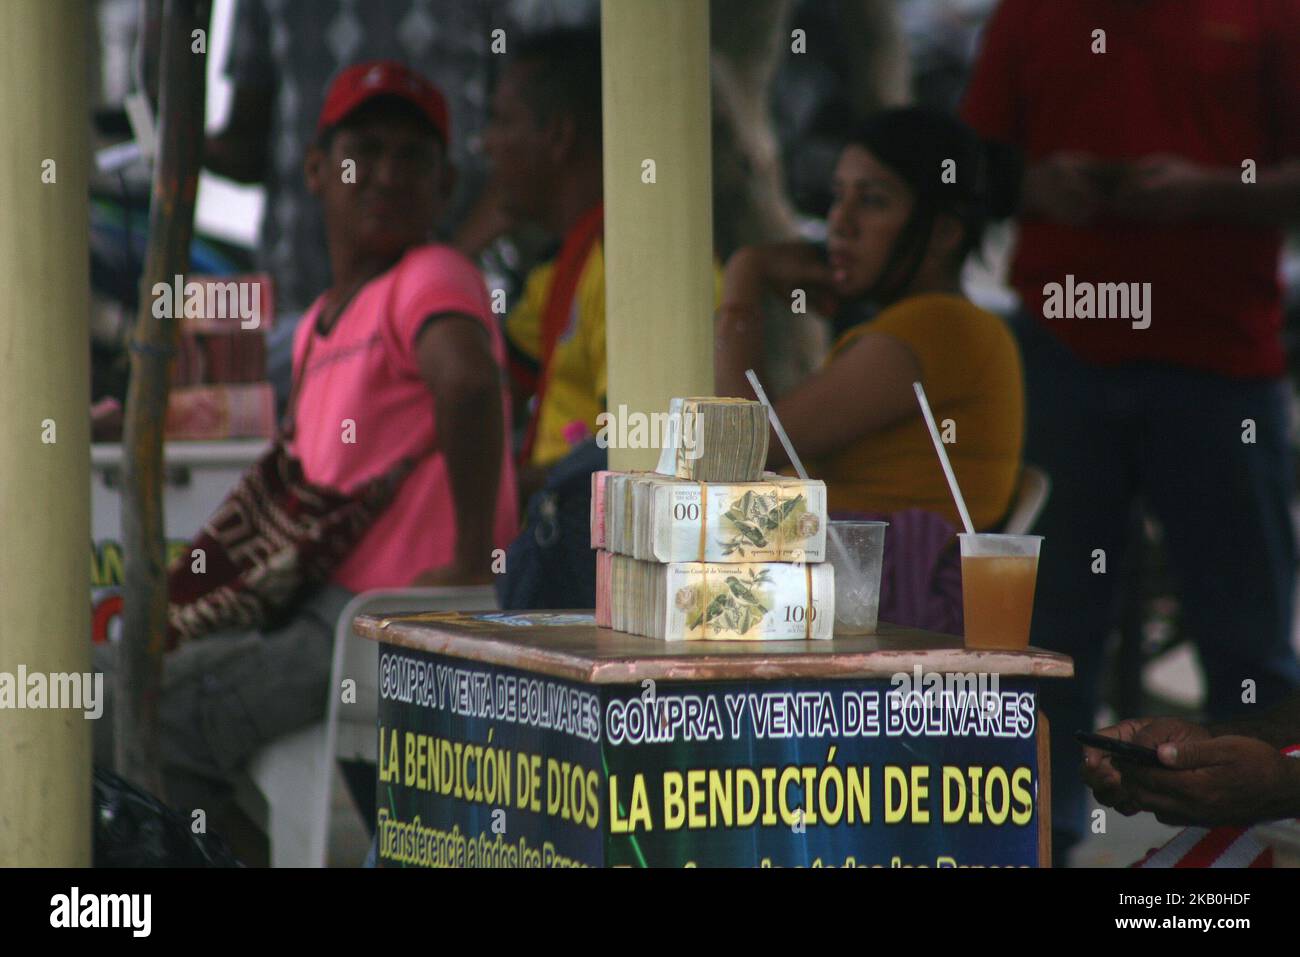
{"x":708,"y":601}
{"x":662,"y":519}
{"x":714,"y":439}
{"x":709,"y":546}
{"x":217,"y":412}
{"x":223,"y":330}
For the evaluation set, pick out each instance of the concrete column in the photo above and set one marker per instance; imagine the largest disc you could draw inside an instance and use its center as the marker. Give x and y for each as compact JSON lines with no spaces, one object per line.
{"x":659,"y":233}
{"x":45,"y":754}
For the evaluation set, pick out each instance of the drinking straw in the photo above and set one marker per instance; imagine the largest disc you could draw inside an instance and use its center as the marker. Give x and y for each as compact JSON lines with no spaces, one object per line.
{"x":831,"y":533}
{"x":943,"y":457}
{"x":776,"y":424}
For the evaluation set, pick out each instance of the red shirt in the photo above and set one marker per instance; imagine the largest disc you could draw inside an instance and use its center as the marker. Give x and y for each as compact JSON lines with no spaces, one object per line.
{"x":1215,"y":82}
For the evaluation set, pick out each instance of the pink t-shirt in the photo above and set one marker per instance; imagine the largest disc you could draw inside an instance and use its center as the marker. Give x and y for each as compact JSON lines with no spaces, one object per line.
{"x":363,"y":406}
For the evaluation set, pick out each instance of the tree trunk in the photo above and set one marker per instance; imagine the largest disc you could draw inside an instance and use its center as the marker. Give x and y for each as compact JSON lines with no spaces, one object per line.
{"x":181,"y":83}
{"x":879,"y":69}
{"x":750,"y":40}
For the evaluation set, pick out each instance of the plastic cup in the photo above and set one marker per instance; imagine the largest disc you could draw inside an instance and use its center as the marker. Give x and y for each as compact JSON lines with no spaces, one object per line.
{"x":998,"y":574}
{"x":857,"y":574}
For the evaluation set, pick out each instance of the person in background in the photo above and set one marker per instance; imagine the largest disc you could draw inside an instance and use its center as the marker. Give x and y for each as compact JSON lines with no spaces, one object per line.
{"x":403,"y":319}
{"x":544,"y":144}
{"x":399,"y":358}
{"x":1229,"y":773}
{"x":281,"y":58}
{"x":899,"y":234}
{"x":1218,"y":781}
{"x":1161,"y":143}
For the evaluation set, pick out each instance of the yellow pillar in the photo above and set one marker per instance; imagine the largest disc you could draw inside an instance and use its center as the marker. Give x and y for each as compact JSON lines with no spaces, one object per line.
{"x":44,"y":426}
{"x":658,"y":207}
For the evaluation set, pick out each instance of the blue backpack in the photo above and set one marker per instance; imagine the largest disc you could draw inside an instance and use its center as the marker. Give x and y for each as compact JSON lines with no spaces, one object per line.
{"x":552,"y":564}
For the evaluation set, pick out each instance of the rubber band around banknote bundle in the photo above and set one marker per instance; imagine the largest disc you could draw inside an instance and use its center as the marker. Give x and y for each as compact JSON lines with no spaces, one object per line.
{"x":704,"y":519}
{"x":808,"y":615}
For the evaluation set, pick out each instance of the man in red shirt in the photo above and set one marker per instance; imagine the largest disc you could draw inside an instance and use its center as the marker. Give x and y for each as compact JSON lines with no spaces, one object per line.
{"x":1162,"y":148}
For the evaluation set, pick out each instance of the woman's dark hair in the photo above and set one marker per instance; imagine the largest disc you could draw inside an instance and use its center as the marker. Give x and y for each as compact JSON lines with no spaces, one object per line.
{"x":950,"y":172}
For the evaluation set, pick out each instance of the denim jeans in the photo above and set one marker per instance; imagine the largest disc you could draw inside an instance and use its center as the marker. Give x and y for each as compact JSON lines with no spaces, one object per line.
{"x":227,"y":695}
{"x":1177,"y":440}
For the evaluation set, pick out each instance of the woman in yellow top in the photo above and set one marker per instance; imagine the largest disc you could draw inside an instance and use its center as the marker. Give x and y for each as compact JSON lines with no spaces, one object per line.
{"x":913,"y":191}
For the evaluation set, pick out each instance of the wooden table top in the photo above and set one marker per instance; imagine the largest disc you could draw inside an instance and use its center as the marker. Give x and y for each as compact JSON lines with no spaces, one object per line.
{"x":567,"y":644}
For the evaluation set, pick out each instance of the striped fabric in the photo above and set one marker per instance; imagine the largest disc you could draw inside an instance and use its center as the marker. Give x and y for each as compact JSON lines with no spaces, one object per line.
{"x":1214,"y":846}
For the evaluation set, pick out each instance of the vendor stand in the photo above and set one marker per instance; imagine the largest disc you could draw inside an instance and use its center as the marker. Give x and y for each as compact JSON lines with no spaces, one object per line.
{"x":538,"y":739}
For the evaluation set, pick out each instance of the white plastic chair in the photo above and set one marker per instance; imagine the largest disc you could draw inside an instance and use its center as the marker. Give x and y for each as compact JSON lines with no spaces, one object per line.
{"x":289,"y":782}
{"x":1031,"y":497}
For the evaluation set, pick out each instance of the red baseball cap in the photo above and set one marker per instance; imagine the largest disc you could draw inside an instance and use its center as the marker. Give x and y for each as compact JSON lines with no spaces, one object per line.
{"x":365,"y":81}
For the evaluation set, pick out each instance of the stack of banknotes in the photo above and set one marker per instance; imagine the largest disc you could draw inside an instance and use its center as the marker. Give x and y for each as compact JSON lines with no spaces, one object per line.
{"x":714,"y":439}
{"x":735,"y":559}
{"x":710,"y":601}
{"x":660,"y":519}
{"x":223,"y":330}
{"x":219,"y":379}
{"x":199,"y":413}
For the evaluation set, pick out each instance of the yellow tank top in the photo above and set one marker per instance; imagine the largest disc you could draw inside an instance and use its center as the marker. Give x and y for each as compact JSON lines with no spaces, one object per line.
{"x":970,"y":367}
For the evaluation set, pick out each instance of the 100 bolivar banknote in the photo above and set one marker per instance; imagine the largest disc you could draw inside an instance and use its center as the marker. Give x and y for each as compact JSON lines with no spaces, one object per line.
{"x":762,"y":601}
{"x":662,"y":519}
{"x":702,"y":601}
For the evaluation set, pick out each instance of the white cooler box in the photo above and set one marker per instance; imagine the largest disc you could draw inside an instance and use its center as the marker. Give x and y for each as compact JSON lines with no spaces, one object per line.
{"x":196,"y":477}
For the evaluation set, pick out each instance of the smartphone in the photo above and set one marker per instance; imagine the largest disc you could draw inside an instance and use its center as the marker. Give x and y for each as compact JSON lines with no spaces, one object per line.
{"x":1121,"y":749}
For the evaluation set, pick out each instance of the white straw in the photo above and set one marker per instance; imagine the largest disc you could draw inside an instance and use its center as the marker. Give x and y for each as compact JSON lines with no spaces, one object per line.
{"x":831,"y":533}
{"x":943,"y":457}
{"x":776,"y":424}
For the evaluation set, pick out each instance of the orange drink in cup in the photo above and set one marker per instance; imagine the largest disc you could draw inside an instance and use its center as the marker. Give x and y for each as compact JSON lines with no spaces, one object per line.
{"x":998,"y":574}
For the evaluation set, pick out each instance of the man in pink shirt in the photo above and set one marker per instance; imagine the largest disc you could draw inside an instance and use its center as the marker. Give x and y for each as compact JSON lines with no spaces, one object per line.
{"x":399,"y":358}
{"x":404,"y":322}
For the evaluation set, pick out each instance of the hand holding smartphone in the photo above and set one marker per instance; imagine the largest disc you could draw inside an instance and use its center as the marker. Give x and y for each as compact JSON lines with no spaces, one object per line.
{"x":1126,"y":750}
